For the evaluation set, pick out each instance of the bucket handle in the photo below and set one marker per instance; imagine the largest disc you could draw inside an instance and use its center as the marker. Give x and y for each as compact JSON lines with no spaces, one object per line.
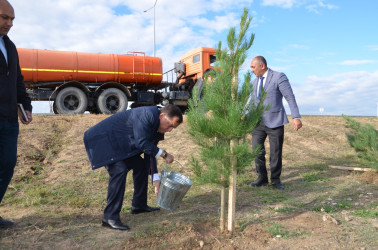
{"x":179,"y":163}
{"x":181,"y":166}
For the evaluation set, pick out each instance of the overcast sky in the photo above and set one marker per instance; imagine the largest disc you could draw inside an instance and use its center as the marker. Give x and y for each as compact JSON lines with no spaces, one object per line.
{"x":327,"y":48}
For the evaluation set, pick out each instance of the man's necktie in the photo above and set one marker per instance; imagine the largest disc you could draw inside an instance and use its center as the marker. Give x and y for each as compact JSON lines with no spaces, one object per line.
{"x":260,"y":88}
{"x":152,"y":169}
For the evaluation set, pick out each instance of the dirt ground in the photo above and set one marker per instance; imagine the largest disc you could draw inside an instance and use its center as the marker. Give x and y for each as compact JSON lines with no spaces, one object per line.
{"x":57,"y":201}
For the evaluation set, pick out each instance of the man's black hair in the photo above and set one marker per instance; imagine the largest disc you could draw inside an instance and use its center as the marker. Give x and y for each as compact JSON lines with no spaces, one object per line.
{"x":171,"y":111}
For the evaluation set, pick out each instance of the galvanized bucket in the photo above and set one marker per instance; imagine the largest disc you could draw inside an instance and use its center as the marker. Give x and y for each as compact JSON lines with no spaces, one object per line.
{"x":173,"y":187}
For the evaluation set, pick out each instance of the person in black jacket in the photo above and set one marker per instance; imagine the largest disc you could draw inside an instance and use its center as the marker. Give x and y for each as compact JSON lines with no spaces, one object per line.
{"x":12,"y":92}
{"x":118,"y":143}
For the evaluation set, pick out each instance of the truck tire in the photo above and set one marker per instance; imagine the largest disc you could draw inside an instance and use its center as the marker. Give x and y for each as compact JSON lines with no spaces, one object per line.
{"x":197,"y":91}
{"x":208,"y":72}
{"x":111,"y":101}
{"x":71,"y":101}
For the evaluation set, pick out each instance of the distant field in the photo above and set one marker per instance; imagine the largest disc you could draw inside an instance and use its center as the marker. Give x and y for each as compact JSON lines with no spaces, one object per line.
{"x":57,"y":201}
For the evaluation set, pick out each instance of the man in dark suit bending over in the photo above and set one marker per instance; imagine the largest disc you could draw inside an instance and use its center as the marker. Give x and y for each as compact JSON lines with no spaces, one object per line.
{"x":118,"y":142}
{"x":276,"y":86}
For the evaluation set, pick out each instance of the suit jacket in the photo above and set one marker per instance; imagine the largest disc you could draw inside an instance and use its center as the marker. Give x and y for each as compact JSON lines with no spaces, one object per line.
{"x":12,"y":88}
{"x":124,"y":135}
{"x":276,"y":86}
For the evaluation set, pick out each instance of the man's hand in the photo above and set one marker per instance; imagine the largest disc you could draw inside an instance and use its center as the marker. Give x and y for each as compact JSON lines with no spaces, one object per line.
{"x":29,"y":115}
{"x":297,"y":123}
{"x":169,"y":159}
{"x":157,"y":185}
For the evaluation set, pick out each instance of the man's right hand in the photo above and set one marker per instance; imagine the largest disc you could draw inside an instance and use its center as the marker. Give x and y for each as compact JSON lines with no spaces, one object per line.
{"x":29,"y":115}
{"x":157,"y":185}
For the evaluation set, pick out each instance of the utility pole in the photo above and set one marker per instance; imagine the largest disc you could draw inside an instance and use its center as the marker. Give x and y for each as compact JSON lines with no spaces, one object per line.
{"x":153,"y":7}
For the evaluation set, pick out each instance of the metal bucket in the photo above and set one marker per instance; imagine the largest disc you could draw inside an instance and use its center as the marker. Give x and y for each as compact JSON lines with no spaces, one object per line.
{"x":173,"y":187}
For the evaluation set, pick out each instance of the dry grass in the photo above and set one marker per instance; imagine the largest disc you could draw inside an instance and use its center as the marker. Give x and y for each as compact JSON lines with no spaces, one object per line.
{"x":57,"y":201}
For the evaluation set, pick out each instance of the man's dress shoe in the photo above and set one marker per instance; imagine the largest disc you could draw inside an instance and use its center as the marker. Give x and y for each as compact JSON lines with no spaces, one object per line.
{"x":259,"y":182}
{"x":278,"y":185}
{"x":5,"y":223}
{"x":147,"y":209}
{"x":114,"y":224}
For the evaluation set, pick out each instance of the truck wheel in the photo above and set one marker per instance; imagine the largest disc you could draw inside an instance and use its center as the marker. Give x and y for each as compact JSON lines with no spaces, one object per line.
{"x":197,"y":91}
{"x":208,"y":73}
{"x":71,"y":101}
{"x":111,"y":101}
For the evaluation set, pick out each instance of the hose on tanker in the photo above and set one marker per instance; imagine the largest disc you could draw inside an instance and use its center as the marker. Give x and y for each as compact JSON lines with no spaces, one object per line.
{"x":51,"y":105}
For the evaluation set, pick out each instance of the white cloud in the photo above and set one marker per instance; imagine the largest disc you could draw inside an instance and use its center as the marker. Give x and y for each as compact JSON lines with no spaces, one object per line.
{"x":327,"y":6}
{"x":352,"y":93}
{"x":319,"y":4}
{"x":356,"y":62}
{"x":218,"y":24}
{"x":372,"y":47}
{"x":310,"y":5}
{"x":280,"y":3}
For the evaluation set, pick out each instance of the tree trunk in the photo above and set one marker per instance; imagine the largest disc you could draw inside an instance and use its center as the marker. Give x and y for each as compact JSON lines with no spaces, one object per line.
{"x":222,"y":211}
{"x":223,"y":199}
{"x":232,"y":190}
{"x":232,"y":187}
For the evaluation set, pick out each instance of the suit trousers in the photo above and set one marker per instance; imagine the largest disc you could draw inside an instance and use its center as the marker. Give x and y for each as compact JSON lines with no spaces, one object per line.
{"x":276,"y":138}
{"x":117,"y":183}
{"x":8,"y":153}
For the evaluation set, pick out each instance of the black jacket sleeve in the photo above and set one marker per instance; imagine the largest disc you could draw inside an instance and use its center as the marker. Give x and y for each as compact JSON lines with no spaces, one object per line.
{"x":22,"y":96}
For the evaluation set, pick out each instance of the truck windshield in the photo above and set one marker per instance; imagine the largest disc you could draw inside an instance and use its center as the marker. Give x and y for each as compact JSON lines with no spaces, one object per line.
{"x":213,"y":58}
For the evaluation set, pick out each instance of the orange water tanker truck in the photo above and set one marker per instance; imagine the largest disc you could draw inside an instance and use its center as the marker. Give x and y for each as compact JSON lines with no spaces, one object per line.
{"x":105,"y":83}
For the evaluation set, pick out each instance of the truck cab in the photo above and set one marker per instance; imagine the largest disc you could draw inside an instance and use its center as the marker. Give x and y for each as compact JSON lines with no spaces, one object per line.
{"x":198,"y":62}
{"x":190,"y":70}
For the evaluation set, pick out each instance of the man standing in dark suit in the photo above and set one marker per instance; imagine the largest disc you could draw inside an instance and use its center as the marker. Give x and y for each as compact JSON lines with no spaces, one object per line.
{"x":276,"y":86}
{"x":12,"y":91}
{"x":118,"y":142}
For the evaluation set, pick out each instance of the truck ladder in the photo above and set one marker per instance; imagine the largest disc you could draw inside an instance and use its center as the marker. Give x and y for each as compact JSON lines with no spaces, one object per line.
{"x":135,"y":60}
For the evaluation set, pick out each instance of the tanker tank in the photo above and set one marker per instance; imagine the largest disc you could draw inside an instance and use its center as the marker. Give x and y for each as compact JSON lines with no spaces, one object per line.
{"x":49,"y":66}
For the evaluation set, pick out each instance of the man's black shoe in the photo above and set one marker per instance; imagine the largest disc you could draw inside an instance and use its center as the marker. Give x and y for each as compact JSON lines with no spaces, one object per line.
{"x":5,"y":223}
{"x":114,"y":224}
{"x":278,"y":185}
{"x":147,"y":209}
{"x":259,"y":182}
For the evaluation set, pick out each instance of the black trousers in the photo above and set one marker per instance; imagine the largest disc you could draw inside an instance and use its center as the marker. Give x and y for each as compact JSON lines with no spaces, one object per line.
{"x":8,"y":153}
{"x":276,"y":138}
{"x":117,"y":183}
